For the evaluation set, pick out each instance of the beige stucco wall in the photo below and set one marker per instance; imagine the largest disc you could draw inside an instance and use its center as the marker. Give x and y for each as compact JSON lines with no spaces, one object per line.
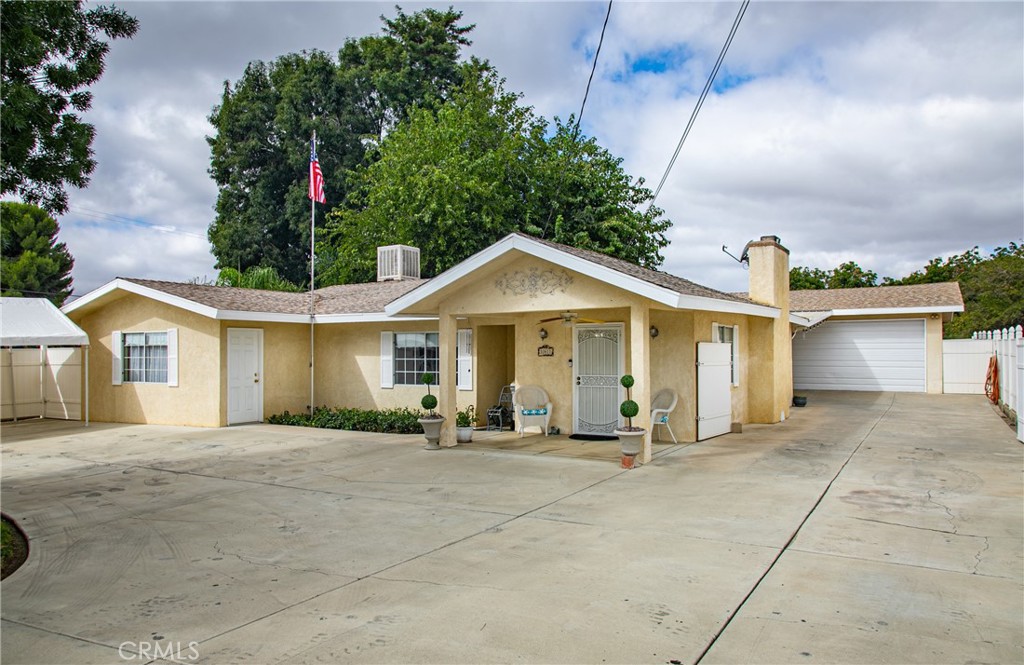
{"x":933,"y":344}
{"x":285,"y":366}
{"x":348,"y":367}
{"x":199,"y":374}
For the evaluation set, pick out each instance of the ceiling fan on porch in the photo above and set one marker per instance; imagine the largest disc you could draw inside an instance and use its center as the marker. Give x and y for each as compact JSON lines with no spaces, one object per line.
{"x":568,"y":318}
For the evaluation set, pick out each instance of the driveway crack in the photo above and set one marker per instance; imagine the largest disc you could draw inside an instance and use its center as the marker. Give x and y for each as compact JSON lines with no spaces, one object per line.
{"x":276,"y":566}
{"x":949,"y":513}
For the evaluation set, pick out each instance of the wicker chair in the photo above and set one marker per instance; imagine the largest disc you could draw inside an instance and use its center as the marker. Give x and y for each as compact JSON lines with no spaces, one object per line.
{"x":662,"y":405}
{"x":532,"y":407}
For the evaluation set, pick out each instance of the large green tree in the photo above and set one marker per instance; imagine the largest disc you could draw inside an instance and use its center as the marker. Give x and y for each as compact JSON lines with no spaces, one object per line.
{"x":455,"y":180}
{"x":260,"y":152}
{"x":847,"y":275}
{"x":32,"y":263}
{"x":51,"y":52}
{"x":992,"y":287}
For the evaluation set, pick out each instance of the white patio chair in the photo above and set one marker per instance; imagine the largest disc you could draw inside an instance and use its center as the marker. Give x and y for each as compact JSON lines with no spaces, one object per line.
{"x":532,"y":407}
{"x":662,"y":405}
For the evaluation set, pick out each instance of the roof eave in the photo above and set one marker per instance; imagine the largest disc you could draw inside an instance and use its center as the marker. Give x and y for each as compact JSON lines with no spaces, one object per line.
{"x":368,"y":317}
{"x":726,"y":306}
{"x":928,"y":309}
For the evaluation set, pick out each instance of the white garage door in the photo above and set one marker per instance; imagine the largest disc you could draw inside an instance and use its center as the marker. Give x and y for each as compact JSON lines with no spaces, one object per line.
{"x":861,"y":355}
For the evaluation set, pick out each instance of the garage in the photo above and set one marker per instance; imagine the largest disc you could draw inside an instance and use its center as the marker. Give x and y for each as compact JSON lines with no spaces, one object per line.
{"x":878,"y":355}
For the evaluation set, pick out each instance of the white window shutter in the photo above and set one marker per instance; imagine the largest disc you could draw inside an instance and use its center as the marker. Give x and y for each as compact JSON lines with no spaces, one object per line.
{"x":172,"y":356}
{"x":387,"y":359}
{"x":116,"y":362}
{"x":464,"y":355}
{"x":735,"y":355}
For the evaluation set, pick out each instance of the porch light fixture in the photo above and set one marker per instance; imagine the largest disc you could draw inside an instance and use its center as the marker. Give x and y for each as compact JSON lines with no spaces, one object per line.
{"x":654,"y":332}
{"x":543,"y":333}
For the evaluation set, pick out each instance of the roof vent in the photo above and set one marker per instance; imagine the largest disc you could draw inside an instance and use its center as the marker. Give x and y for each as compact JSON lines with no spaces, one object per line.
{"x":397,"y":262}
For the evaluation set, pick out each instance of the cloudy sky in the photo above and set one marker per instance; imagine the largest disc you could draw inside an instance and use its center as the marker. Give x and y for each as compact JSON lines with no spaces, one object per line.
{"x":878,"y":132}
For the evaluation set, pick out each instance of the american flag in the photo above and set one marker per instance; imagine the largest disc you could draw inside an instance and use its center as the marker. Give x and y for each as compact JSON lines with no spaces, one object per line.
{"x":316,"y":176}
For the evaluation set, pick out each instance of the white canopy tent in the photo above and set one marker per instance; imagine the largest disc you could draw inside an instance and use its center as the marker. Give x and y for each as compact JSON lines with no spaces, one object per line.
{"x":42,"y":360}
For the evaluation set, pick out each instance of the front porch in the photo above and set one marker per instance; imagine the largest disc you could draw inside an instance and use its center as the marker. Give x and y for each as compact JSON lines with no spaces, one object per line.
{"x":558,"y":445}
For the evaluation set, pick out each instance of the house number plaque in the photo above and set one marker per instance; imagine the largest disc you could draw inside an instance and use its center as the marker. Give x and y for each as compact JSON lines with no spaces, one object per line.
{"x":546,"y":350}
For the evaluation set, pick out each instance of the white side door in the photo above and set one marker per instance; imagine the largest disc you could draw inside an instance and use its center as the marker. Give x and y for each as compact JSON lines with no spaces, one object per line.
{"x":598,"y":359}
{"x":245,"y":375}
{"x":714,"y":376}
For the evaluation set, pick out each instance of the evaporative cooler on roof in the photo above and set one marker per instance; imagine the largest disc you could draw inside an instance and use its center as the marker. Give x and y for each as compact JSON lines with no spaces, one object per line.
{"x":397,"y":262}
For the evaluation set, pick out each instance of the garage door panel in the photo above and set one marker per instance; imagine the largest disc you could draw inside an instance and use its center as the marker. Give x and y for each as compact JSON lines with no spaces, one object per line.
{"x":861,"y":355}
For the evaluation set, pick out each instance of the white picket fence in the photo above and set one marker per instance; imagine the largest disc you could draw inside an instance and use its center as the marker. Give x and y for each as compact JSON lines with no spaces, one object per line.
{"x":965,"y":365}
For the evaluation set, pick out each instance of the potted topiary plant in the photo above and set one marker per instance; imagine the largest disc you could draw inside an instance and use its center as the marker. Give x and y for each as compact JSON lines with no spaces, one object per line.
{"x":631,"y":438}
{"x":464,"y":421}
{"x":432,"y":422}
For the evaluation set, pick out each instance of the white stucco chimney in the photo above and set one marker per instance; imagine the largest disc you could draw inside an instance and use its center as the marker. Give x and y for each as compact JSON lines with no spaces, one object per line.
{"x":397,"y":262}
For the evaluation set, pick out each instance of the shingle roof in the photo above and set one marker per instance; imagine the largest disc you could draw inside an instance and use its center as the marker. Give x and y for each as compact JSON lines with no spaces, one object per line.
{"x":343,"y":299}
{"x":656,"y":277}
{"x":942,"y":294}
{"x":361,"y":298}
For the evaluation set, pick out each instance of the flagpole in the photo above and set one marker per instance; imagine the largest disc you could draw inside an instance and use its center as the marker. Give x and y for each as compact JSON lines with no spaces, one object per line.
{"x":312,"y":277}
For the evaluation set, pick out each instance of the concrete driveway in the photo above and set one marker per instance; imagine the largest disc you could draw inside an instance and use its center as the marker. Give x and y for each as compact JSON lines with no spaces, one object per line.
{"x":869,"y":528}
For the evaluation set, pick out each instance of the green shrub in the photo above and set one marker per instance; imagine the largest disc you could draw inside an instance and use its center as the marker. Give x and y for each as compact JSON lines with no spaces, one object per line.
{"x":387,"y":421}
{"x":629,"y":409}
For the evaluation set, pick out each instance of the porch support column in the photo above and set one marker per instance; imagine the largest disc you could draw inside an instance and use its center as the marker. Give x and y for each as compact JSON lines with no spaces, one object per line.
{"x":446,"y":406}
{"x":640,"y":368}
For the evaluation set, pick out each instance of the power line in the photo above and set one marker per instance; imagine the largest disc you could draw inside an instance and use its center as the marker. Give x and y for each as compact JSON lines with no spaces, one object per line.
{"x":593,"y":68}
{"x":703,"y":96}
{"x":99,"y":215}
{"x":579,"y":118}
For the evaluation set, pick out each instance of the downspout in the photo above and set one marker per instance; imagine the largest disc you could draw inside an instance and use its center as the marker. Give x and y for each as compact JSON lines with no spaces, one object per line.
{"x":86,"y":385}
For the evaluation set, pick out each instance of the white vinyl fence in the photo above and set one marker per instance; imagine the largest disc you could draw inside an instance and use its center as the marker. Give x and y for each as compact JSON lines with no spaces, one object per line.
{"x":41,"y":382}
{"x":965,"y":366}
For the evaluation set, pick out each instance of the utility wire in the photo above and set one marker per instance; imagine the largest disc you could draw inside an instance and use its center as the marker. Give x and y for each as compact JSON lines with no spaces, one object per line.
{"x":703,"y":96}
{"x":593,"y":68}
{"x":579,"y":118}
{"x":99,"y":215}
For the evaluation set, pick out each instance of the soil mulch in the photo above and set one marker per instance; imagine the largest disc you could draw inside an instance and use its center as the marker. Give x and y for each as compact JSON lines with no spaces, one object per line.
{"x":15,"y":547}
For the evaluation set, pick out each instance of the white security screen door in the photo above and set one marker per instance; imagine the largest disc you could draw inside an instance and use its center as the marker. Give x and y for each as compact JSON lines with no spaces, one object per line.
{"x":714,"y":403}
{"x":245,"y":375}
{"x":598,"y":354}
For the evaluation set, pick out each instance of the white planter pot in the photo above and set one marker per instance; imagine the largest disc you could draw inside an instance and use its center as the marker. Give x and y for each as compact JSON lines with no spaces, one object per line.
{"x":632,"y":442}
{"x":463,"y":434}
{"x":432,"y":431}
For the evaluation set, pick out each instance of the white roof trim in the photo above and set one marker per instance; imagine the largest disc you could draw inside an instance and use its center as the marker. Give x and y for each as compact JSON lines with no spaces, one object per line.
{"x":602,"y":273}
{"x":268,"y":317}
{"x":145,"y":291}
{"x":869,"y":311}
{"x":810,"y":319}
{"x":232,"y":315}
{"x":370,"y":317}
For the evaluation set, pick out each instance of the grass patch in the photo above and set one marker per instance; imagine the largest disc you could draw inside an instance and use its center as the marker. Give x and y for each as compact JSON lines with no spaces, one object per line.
{"x":385,"y":421}
{"x":13,"y":548}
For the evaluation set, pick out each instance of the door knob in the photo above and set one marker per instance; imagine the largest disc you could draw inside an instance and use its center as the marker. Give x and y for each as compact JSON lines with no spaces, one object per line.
{"x":255,"y":378}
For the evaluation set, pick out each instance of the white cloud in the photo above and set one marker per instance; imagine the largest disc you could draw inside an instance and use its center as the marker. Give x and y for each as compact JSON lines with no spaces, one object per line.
{"x":884,"y":133}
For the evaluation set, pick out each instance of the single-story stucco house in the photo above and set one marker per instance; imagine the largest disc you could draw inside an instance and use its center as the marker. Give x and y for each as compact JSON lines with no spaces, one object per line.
{"x":523,"y":311}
